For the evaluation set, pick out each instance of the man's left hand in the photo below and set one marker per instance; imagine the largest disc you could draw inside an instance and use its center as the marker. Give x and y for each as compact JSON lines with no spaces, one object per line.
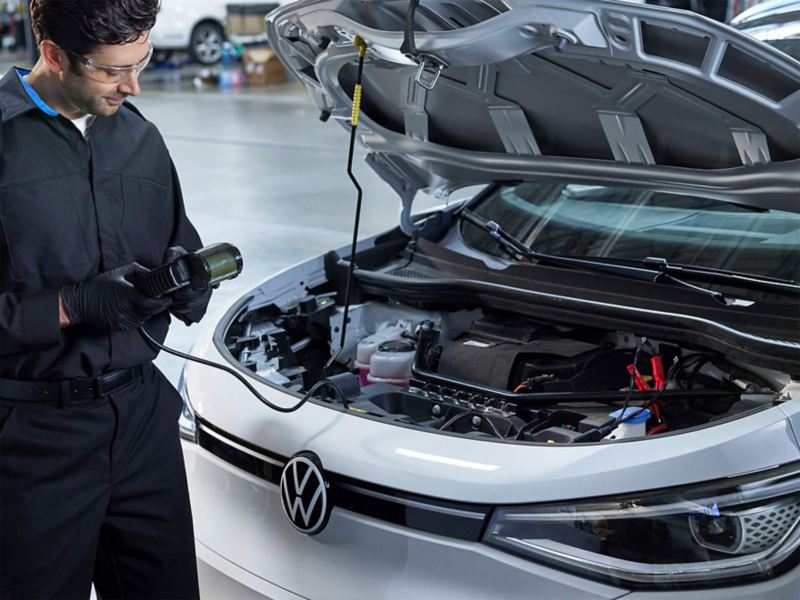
{"x":188,"y":304}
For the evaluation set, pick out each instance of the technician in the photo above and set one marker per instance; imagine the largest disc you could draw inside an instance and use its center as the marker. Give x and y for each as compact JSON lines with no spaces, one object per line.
{"x":92,"y":481}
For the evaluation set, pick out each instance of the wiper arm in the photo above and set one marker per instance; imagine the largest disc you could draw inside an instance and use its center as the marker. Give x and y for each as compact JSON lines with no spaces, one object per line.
{"x":784,"y":287}
{"x":519,"y":250}
{"x":509,"y":243}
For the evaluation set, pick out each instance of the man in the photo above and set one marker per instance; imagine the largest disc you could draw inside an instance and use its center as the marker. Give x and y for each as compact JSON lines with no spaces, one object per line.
{"x":92,"y":482}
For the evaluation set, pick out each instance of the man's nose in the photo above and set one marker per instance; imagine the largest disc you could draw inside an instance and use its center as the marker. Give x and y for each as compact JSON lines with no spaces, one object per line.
{"x":130,"y":85}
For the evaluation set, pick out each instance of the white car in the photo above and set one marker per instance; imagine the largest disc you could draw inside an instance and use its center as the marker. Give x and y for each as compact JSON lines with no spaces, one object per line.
{"x":583,"y":382}
{"x":197,"y":26}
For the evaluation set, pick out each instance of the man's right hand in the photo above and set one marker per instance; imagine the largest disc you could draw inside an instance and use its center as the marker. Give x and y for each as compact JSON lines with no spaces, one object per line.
{"x":109,"y":301}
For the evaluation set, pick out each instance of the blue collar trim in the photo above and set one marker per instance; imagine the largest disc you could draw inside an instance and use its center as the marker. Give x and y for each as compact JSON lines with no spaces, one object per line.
{"x":33,"y":95}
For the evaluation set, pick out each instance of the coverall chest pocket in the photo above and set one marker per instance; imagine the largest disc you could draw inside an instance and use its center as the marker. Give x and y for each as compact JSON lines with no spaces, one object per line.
{"x":147,"y":219}
{"x":47,"y":226}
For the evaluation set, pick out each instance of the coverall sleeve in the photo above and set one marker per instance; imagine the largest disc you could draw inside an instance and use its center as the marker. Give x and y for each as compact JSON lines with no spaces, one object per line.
{"x":183,"y":233}
{"x":28,"y":321}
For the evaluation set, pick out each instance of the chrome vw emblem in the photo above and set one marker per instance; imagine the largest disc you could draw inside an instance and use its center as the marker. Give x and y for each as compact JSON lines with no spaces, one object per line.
{"x":304,"y":493}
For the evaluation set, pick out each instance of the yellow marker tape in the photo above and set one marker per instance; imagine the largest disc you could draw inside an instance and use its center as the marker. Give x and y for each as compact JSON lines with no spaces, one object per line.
{"x":362,"y":52}
{"x":362,"y":45}
{"x":356,"y":105}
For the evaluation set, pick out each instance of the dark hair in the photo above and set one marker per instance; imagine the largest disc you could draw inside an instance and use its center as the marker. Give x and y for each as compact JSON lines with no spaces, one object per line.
{"x":82,"y":25}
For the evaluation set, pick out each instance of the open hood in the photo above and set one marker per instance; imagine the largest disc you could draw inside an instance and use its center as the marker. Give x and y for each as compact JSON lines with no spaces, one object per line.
{"x":590,"y":91}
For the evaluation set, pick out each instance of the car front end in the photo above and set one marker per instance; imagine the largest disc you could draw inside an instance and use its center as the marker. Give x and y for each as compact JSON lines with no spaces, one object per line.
{"x":581,"y":382}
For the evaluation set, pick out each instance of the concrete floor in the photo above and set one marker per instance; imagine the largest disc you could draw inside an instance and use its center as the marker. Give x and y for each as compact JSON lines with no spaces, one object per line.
{"x":260,"y":170}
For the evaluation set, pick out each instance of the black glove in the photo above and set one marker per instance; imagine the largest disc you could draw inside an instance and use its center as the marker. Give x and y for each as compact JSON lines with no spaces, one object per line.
{"x":188,"y":304}
{"x":109,"y":301}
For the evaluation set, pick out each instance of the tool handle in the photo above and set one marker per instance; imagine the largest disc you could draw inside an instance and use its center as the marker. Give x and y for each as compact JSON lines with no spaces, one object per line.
{"x":163,"y":280}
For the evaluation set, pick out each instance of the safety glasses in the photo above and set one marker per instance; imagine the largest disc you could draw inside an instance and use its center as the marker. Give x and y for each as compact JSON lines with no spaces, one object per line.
{"x":108,"y":74}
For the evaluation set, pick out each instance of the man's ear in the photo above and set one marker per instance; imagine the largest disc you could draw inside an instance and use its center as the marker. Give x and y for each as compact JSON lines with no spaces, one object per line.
{"x":55,"y":58}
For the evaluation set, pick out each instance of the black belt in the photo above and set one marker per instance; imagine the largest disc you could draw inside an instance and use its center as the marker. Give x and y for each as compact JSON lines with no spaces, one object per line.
{"x":70,"y":390}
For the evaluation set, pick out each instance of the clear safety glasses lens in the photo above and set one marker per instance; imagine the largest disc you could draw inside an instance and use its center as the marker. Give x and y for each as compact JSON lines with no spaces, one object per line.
{"x":106,"y":74}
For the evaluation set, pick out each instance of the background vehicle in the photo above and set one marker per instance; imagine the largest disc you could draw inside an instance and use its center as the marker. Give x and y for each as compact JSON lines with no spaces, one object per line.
{"x":195,"y":25}
{"x":776,"y":23}
{"x":714,"y":9}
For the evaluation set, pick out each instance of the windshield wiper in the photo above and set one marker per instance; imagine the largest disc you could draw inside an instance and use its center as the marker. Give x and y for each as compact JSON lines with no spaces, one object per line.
{"x":773,"y":285}
{"x":518,"y":251}
{"x":656,"y":269}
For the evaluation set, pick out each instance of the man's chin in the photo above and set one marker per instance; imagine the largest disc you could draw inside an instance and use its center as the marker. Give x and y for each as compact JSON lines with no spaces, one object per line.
{"x":106,"y":110}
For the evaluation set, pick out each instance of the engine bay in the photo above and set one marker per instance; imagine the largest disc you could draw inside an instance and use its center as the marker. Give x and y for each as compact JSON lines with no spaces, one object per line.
{"x":495,"y":375}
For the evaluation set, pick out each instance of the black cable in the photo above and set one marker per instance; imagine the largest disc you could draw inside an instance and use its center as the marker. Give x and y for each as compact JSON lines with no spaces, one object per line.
{"x":632,"y":382}
{"x":357,"y":223}
{"x":673,"y":370}
{"x":493,"y":427}
{"x":275,"y":407}
{"x":525,"y":428}
{"x":458,"y":417}
{"x":452,"y":420}
{"x":409,"y":46}
{"x":687,"y":359}
{"x":598,"y":433}
{"x":693,"y":375}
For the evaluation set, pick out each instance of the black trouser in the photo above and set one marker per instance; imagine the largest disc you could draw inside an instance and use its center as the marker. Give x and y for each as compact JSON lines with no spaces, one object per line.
{"x":96,"y":491}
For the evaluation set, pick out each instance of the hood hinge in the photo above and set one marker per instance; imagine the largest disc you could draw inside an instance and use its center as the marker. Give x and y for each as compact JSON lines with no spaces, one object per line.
{"x":403,"y":181}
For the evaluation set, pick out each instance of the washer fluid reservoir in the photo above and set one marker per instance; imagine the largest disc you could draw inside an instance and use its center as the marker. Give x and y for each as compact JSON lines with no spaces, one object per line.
{"x":632,"y":424}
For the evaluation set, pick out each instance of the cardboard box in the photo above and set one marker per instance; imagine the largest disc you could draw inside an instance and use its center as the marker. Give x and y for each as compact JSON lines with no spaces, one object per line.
{"x":262,"y":67}
{"x":248,"y":19}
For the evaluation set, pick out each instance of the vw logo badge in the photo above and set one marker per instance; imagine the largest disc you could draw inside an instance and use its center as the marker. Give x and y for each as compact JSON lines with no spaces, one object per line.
{"x":304,"y":493}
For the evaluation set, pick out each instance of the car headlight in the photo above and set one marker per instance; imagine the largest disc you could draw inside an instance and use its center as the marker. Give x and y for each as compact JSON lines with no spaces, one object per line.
{"x":186,"y":421}
{"x":705,"y":534}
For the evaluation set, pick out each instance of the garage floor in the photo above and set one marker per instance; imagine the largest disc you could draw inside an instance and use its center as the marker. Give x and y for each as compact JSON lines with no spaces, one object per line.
{"x":261,"y":171}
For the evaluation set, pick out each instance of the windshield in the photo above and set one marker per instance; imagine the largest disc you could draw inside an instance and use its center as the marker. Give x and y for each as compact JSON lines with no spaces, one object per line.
{"x":628,"y":224}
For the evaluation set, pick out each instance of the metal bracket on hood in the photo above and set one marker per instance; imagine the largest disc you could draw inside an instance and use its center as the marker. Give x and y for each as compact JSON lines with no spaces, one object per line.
{"x":412,"y":103}
{"x":429,"y":70}
{"x":514,"y":130}
{"x":752,"y":146}
{"x":626,"y":137}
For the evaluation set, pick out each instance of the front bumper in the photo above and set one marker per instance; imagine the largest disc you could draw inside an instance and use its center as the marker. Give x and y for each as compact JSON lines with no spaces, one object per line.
{"x":239,"y":517}
{"x":246,"y":543}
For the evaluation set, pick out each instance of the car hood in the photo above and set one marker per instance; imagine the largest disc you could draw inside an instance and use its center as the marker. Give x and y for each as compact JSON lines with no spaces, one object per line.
{"x":590,"y":91}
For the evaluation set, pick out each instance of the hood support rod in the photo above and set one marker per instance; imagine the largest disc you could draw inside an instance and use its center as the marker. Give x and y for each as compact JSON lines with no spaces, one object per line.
{"x":362,"y":51}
